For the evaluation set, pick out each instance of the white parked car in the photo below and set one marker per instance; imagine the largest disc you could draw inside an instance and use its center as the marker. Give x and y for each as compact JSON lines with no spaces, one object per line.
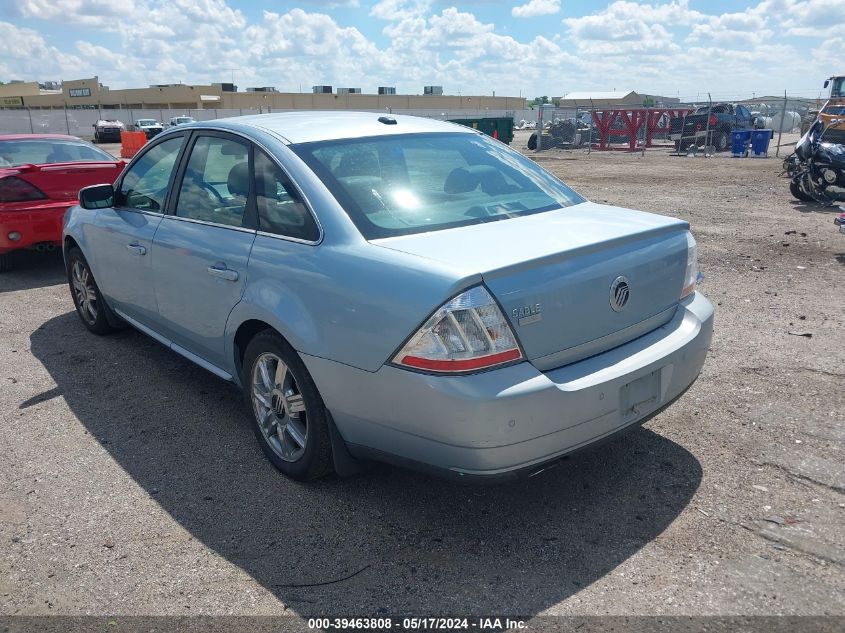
{"x":181,"y":120}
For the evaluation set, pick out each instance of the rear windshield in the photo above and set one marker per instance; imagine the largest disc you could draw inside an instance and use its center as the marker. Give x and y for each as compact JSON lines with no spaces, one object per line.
{"x":47,"y":151}
{"x":397,"y":185}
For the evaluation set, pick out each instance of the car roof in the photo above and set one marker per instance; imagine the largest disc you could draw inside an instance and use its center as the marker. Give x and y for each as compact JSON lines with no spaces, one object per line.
{"x":41,"y":137}
{"x":305,"y":126}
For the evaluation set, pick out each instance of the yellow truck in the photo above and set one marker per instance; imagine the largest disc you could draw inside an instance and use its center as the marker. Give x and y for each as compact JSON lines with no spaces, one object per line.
{"x":833,"y":112}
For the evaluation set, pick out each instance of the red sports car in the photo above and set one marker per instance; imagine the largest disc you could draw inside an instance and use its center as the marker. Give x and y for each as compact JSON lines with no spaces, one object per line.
{"x":40,"y":178}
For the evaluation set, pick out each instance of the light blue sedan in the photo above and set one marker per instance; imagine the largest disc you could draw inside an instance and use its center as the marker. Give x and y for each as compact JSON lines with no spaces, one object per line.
{"x":392,"y":288}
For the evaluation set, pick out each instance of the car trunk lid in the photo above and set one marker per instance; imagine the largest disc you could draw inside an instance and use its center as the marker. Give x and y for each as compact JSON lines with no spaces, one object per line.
{"x":555,"y":274}
{"x":62,"y":181}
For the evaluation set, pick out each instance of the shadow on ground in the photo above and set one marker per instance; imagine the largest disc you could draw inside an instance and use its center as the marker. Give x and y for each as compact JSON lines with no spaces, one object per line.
{"x":385,"y":542}
{"x":33,"y":270}
{"x":817,"y":207}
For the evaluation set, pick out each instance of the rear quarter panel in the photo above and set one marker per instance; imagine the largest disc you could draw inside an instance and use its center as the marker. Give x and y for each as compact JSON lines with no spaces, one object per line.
{"x":354,"y":304}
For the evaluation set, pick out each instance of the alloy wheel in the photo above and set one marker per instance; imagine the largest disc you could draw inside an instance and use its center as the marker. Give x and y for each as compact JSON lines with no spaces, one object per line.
{"x":279,"y":407}
{"x":84,"y":291}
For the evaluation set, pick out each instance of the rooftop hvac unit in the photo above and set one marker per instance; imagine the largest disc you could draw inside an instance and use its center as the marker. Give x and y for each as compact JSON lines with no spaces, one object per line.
{"x":432,"y":90}
{"x":386,"y":90}
{"x":348,"y":91}
{"x":322,"y":89}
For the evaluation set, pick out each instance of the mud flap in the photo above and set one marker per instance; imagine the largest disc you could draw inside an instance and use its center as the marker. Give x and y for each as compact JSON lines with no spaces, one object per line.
{"x":345,"y":465}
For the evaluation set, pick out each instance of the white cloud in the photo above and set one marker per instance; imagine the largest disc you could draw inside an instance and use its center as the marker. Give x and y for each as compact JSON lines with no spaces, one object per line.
{"x":535,"y":8}
{"x":808,"y":18}
{"x":393,"y":10}
{"x":736,"y":29}
{"x":24,"y":54}
{"x":654,"y":46}
{"x":101,"y":14}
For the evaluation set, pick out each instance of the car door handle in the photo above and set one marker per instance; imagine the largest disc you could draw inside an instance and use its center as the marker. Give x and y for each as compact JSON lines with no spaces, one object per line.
{"x":137,"y":249}
{"x":223,"y":273}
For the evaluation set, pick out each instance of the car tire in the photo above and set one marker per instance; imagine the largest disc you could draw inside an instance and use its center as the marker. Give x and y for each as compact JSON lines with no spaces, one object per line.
{"x":722,"y":142}
{"x":87,"y":298}
{"x":798,"y":193}
{"x":289,"y":418}
{"x":6,"y":263}
{"x":532,"y":141}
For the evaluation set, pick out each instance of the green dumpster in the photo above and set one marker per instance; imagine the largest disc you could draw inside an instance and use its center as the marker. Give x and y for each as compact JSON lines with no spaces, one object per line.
{"x":498,"y":127}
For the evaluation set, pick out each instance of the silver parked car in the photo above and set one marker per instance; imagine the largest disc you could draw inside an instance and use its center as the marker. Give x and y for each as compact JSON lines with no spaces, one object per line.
{"x":393,"y":288}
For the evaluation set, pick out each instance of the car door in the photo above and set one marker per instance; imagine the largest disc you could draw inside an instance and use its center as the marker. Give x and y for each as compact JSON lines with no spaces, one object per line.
{"x":202,"y":245}
{"x":122,"y":236}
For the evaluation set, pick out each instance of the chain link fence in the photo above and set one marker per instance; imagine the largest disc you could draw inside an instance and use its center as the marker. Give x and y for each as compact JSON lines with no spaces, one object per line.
{"x":80,"y":122}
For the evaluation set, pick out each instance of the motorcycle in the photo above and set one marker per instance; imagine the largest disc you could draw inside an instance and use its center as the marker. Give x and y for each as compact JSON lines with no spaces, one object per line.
{"x":820,"y":174}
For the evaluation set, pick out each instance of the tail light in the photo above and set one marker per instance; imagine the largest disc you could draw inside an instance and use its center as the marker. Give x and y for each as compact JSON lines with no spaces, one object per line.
{"x":14,"y":189}
{"x":468,"y":333}
{"x":692,"y":275}
{"x":712,"y":120}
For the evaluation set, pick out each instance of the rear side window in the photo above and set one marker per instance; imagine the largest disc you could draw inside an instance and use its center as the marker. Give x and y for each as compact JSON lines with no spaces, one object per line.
{"x":46,"y":152}
{"x":396,"y":185}
{"x":145,"y":184}
{"x":280,"y":208}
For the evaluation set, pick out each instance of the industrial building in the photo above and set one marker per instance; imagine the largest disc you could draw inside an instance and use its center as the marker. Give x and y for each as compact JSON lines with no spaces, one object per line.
{"x":90,"y":93}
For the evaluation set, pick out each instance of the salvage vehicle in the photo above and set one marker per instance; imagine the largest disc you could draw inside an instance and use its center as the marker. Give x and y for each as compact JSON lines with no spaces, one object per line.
{"x":181,"y":120}
{"x":819,"y":174}
{"x":150,"y":127}
{"x":108,"y":131}
{"x":40,"y":178}
{"x":710,"y":126}
{"x":393,"y":288}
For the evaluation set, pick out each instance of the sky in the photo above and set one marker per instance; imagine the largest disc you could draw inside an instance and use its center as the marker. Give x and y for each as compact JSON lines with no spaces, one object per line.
{"x":677,"y":48}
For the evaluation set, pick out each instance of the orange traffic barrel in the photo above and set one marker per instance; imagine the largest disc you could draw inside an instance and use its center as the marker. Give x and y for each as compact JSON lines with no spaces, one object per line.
{"x":131,"y":142}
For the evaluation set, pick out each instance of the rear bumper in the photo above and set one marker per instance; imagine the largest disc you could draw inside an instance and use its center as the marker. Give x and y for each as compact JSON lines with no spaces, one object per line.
{"x":517,"y":418}
{"x":37,"y":225}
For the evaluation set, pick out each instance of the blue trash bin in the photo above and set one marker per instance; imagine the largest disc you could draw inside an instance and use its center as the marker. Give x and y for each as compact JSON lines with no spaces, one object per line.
{"x":739,"y":143}
{"x":760,"y":142}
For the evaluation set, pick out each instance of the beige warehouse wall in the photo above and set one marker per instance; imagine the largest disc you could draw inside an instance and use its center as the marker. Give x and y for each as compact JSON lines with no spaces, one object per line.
{"x":19,"y":90}
{"x":186,"y":96}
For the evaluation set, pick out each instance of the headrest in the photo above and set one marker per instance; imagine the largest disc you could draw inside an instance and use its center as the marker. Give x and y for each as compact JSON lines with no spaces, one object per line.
{"x":466,"y":179}
{"x":238,"y":181}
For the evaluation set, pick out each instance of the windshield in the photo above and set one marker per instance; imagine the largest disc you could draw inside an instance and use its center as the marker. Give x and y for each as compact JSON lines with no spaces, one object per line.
{"x":147,"y":122}
{"x":397,"y":185}
{"x":48,"y":151}
{"x":183,"y":119}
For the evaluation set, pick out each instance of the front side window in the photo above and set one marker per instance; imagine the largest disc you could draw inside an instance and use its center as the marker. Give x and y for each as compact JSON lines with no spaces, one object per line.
{"x":216,"y":184}
{"x":397,"y":185}
{"x":145,"y":184}
{"x":280,"y":207}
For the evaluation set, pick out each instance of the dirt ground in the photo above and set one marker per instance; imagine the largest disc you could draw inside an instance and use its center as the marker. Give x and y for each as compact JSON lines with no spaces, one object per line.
{"x":132,"y":484}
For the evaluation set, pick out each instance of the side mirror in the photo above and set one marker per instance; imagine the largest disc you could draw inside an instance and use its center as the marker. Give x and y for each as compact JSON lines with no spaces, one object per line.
{"x":96,"y":197}
{"x":826,"y":83}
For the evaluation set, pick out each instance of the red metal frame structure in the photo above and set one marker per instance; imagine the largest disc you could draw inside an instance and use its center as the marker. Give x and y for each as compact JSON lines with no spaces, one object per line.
{"x":632,"y":120}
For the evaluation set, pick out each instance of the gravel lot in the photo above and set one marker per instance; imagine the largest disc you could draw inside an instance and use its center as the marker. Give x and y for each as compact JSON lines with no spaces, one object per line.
{"x":132,"y":484}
